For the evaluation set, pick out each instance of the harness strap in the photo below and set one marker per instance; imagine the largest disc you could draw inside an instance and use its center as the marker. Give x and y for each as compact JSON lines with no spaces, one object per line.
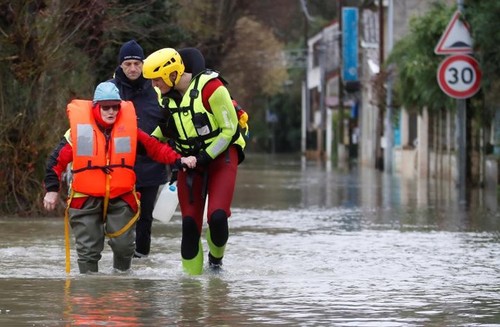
{"x":189,"y":183}
{"x":105,"y":206}
{"x":194,"y":140}
{"x":204,"y":189}
{"x":179,"y":110}
{"x":106,"y":169}
{"x":131,"y":221}
{"x":193,"y":94}
{"x":66,"y":231}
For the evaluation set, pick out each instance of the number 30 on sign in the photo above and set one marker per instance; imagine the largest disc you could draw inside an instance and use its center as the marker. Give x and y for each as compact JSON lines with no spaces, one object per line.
{"x":459,"y":76}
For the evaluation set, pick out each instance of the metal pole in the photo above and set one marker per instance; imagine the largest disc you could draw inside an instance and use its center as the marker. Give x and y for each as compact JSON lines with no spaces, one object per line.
{"x":329,"y":138}
{"x":462,"y":144}
{"x":322,"y":97}
{"x":303,"y":134}
{"x":340,"y":127}
{"x":379,"y":156}
{"x":461,"y":137}
{"x":305,"y":94}
{"x":389,"y":135}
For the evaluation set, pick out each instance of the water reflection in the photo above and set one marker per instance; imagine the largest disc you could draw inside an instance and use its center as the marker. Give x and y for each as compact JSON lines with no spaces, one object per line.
{"x":96,"y":300}
{"x":291,"y":183}
{"x":308,"y":247}
{"x":90,"y":303}
{"x":206,"y":302}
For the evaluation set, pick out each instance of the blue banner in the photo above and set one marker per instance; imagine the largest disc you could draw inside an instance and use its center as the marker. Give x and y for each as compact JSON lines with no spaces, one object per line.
{"x":349,"y":44}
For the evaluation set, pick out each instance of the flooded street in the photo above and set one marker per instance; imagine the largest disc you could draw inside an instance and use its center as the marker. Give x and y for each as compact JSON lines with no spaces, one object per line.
{"x":308,"y":246}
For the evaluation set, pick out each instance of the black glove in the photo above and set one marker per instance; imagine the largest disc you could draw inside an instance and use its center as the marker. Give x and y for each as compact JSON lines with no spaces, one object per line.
{"x":203,"y":159}
{"x":176,"y":165}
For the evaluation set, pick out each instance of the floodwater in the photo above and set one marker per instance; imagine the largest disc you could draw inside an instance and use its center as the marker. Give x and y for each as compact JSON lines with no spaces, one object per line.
{"x":309,"y":246}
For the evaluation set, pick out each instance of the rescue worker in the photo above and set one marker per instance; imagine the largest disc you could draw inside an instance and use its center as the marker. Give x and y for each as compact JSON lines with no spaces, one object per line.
{"x":203,"y":122}
{"x":101,"y":144}
{"x":150,"y":174}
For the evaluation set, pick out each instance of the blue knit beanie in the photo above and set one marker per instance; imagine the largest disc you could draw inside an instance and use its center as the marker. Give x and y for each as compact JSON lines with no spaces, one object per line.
{"x":130,"y":50}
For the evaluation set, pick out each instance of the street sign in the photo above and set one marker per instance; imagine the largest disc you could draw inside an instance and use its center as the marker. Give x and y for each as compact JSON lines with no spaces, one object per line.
{"x":349,"y":44}
{"x":456,"y":39}
{"x":459,"y":76}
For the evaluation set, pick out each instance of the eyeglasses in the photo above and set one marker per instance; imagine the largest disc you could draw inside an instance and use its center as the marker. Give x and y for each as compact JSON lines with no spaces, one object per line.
{"x":115,"y":107}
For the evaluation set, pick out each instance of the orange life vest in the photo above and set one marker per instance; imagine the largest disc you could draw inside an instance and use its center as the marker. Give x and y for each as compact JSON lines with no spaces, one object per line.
{"x":100,"y":169}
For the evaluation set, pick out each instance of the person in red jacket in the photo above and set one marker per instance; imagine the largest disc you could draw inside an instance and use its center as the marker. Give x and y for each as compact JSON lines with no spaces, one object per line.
{"x":101,"y":145}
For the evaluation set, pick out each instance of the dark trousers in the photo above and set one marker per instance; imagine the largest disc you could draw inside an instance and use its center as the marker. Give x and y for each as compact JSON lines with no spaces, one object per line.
{"x":90,"y":228}
{"x":143,"y":227}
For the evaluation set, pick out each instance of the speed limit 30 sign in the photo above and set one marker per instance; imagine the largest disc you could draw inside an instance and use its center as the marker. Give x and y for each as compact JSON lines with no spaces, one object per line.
{"x":459,"y":76}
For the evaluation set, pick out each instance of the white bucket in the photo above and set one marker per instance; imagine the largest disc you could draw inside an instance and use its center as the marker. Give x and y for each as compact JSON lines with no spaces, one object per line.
{"x":166,"y":203}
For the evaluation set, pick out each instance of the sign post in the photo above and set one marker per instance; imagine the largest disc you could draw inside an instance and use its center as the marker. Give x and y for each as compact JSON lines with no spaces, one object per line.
{"x":459,"y":77}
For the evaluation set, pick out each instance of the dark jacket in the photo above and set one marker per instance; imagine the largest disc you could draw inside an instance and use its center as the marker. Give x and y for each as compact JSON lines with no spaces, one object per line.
{"x":149,"y":116}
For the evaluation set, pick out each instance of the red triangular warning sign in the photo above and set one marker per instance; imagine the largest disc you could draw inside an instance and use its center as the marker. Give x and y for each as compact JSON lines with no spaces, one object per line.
{"x":456,"y":38}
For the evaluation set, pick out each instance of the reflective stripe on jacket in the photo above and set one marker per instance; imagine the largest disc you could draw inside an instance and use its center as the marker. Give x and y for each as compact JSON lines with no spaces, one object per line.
{"x":102,"y":168}
{"x":197,"y":127}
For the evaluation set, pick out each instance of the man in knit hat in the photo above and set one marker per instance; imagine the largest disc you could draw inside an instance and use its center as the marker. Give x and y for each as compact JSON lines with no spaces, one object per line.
{"x":131,"y":50}
{"x":150,"y":174}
